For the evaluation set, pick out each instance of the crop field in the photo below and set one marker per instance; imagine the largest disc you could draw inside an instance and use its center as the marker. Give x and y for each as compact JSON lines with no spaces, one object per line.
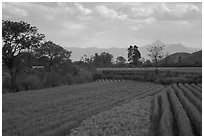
{"x":165,"y":75}
{"x":174,"y":69}
{"x":177,"y":110}
{"x":56,"y":111}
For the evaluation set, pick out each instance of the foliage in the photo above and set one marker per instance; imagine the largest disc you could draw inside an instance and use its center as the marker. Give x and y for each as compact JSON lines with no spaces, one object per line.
{"x":17,"y":37}
{"x":133,"y":55}
{"x":52,"y":53}
{"x":120,"y":60}
{"x":102,"y":60}
{"x":28,"y":82}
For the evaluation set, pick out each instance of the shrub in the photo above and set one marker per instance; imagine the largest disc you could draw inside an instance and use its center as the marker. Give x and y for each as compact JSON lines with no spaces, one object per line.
{"x":6,"y":84}
{"x":97,"y":75}
{"x":29,"y":82}
{"x":52,"y":80}
{"x":68,"y":79}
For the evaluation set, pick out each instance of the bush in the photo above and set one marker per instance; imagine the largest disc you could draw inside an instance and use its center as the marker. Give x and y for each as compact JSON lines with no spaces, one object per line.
{"x":83,"y":77}
{"x":52,"y":80}
{"x":6,"y":84}
{"x":29,"y":82}
{"x":68,"y":79}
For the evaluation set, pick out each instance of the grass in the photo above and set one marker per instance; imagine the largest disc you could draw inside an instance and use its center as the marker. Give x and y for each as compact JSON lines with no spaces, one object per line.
{"x":55,"y":111}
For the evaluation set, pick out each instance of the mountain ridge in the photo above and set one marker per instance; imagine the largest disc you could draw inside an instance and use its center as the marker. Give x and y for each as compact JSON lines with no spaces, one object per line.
{"x":77,"y":53}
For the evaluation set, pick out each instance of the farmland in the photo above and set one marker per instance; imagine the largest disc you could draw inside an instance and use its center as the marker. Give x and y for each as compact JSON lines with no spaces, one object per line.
{"x":165,"y":75}
{"x":70,"y":110}
{"x":174,"y":69}
{"x":178,"y":111}
{"x":56,"y":111}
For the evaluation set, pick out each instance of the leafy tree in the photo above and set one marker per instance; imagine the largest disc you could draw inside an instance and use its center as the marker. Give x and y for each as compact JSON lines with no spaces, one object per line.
{"x":51,"y":53}
{"x":17,"y":38}
{"x":133,"y":55}
{"x":130,"y":52}
{"x":120,"y":60}
{"x":156,"y":53}
{"x":87,"y":60}
{"x":102,"y":60}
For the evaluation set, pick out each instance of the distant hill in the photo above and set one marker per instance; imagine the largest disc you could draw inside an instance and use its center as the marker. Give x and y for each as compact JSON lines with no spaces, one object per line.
{"x":77,"y":53}
{"x":194,"y":59}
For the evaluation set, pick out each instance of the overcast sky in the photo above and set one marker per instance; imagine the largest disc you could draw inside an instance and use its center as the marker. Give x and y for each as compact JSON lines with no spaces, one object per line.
{"x":107,"y":25}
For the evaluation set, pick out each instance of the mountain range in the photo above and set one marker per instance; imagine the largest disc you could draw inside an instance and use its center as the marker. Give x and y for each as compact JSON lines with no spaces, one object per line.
{"x":169,"y":49}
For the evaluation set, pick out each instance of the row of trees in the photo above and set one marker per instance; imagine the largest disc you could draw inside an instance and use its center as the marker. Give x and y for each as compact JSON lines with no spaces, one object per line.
{"x":134,"y":58}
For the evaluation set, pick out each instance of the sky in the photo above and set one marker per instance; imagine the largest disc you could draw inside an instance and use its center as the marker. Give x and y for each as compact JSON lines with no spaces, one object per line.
{"x":115,"y":24}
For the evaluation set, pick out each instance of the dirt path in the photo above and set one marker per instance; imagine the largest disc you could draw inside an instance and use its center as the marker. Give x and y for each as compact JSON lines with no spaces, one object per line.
{"x":129,"y":119}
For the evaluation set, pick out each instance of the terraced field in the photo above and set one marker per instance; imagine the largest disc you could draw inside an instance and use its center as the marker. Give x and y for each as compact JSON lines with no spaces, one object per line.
{"x":178,"y":111}
{"x":56,"y":111}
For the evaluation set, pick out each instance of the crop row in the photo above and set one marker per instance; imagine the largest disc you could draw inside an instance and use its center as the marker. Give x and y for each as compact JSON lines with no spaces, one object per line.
{"x":177,"y":110}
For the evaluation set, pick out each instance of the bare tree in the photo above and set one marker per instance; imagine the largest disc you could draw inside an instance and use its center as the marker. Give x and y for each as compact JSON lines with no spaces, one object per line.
{"x":156,"y":53}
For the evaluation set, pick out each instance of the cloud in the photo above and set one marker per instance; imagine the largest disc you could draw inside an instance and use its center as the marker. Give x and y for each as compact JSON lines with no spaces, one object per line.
{"x":178,"y":11}
{"x":10,"y":9}
{"x":82,"y":9}
{"x":76,"y":23}
{"x":73,"y":26}
{"x":163,"y":11}
{"x":141,"y":12}
{"x":104,"y":11}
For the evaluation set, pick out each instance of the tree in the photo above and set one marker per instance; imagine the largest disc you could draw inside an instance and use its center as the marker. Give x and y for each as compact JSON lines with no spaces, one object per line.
{"x":133,"y":55}
{"x":17,"y":37}
{"x":120,"y":60}
{"x":155,"y":53}
{"x":102,"y":60}
{"x":51,"y":53}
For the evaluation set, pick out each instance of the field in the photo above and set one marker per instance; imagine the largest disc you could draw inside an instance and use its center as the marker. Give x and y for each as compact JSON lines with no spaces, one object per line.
{"x":178,"y":111}
{"x":57,"y":110}
{"x":174,"y":69}
{"x":78,"y":109}
{"x":165,"y":75}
